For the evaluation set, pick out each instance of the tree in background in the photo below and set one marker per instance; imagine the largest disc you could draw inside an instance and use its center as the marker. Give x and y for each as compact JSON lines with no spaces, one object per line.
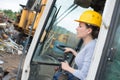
{"x":10,"y":14}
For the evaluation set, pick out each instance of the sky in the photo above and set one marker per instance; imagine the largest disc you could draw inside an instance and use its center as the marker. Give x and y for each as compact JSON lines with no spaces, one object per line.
{"x":12,"y":4}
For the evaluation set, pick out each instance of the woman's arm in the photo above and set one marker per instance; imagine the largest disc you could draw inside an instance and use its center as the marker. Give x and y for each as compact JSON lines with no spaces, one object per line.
{"x":71,"y":50}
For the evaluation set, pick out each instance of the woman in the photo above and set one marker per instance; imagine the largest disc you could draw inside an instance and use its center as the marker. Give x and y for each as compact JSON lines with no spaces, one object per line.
{"x":88,"y":29}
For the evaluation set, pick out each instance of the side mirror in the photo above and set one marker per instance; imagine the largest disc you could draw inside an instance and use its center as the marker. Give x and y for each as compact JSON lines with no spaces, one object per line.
{"x":83,"y":3}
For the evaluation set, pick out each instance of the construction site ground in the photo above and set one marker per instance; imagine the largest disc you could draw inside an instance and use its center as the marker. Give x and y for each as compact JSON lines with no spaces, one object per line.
{"x":10,"y":65}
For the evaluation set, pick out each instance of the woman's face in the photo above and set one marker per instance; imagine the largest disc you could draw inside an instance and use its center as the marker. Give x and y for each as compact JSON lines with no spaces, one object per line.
{"x":83,"y":31}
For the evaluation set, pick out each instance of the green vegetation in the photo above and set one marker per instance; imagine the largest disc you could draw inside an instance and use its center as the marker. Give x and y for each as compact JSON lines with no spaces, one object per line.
{"x":10,"y":14}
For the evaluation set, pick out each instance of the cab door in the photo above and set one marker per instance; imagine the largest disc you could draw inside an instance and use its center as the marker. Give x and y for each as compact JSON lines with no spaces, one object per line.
{"x":109,"y":67}
{"x":58,"y":29}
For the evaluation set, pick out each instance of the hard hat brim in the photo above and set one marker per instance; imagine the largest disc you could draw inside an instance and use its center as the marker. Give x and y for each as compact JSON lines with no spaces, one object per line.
{"x":85,"y":22}
{"x":77,"y":20}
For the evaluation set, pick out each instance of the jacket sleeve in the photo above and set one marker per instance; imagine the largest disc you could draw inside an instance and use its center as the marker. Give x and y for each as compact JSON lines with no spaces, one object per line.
{"x":82,"y":73}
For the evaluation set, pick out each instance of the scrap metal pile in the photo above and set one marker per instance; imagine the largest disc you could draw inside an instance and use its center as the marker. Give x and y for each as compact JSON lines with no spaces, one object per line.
{"x":10,"y":46}
{"x":10,"y":51}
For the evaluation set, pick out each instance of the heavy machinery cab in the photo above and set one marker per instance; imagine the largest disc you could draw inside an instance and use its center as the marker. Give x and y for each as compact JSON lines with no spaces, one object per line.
{"x":57,"y":27}
{"x":59,"y":30}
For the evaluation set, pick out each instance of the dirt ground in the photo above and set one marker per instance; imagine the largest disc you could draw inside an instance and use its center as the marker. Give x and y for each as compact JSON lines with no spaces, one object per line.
{"x":11,"y":63}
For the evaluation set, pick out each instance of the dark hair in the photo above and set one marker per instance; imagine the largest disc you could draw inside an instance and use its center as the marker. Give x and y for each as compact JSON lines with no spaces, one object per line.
{"x":95,"y":30}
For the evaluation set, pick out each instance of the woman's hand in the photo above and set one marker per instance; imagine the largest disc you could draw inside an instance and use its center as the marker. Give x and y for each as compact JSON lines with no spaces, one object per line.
{"x":65,"y":66}
{"x":70,"y":50}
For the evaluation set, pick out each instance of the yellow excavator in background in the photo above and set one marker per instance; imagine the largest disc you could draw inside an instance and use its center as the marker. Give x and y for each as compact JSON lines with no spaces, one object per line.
{"x":30,"y":16}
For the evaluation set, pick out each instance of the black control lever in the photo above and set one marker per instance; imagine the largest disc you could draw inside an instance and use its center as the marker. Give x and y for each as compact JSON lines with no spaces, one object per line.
{"x":65,"y":57}
{"x":61,"y":47}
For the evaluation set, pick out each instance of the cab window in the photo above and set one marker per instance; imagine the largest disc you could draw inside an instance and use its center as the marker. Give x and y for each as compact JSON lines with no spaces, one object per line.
{"x":62,"y":32}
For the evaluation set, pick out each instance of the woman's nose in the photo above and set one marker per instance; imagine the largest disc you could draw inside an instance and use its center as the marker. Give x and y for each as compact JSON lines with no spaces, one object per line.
{"x":77,"y":28}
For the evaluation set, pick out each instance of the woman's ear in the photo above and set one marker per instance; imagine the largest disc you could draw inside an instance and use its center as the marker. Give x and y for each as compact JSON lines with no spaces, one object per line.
{"x":89,"y":30}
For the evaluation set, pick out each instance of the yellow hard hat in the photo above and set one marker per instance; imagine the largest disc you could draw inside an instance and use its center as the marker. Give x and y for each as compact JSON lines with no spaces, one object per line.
{"x":91,"y":17}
